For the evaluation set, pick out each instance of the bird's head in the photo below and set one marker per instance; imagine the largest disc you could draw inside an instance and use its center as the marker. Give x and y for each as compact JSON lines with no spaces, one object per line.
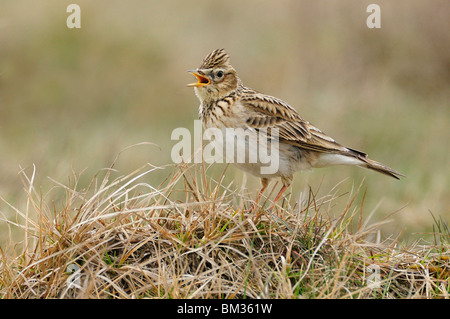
{"x":216,"y":77}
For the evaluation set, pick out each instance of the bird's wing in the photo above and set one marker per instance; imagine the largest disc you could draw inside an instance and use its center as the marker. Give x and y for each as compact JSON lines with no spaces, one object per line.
{"x":267,"y":112}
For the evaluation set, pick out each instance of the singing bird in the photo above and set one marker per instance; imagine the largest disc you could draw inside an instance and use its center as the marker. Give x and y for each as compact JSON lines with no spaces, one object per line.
{"x":226,"y":103}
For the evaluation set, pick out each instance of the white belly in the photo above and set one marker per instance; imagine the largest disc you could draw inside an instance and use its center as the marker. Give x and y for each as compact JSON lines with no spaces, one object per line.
{"x":252,"y":152}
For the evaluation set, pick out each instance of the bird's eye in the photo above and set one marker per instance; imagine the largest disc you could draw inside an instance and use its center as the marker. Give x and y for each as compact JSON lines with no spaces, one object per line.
{"x":219,"y":74}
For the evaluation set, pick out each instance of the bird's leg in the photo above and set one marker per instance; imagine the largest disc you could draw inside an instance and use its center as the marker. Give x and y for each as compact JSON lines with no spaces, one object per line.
{"x":285,"y":186}
{"x":264,"y":183}
{"x":280,"y":193}
{"x":286,"y":183}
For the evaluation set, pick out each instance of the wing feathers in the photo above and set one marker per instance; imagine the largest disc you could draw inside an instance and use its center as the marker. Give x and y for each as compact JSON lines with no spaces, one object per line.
{"x":271,"y":112}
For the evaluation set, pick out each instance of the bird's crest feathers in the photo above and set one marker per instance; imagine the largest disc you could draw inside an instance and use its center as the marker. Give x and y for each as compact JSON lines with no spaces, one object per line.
{"x":216,"y":58}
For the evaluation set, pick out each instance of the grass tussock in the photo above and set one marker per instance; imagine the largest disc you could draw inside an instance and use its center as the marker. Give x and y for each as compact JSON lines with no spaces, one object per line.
{"x":192,"y":237}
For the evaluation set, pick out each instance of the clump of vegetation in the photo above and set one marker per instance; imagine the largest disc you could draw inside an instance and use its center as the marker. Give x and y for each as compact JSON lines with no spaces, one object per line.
{"x":192,"y":237}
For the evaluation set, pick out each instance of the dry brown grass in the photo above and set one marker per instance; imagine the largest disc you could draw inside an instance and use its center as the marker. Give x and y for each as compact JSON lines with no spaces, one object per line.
{"x":125,"y":238}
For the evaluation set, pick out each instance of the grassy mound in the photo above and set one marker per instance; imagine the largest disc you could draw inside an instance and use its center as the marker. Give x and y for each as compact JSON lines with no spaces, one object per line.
{"x":192,"y":237}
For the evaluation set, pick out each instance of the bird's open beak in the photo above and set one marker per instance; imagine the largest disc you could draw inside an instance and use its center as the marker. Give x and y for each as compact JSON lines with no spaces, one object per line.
{"x":202,"y":80}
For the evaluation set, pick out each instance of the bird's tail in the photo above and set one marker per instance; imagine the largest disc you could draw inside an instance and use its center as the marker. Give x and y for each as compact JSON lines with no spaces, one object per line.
{"x":354,"y":157}
{"x":381,"y":168}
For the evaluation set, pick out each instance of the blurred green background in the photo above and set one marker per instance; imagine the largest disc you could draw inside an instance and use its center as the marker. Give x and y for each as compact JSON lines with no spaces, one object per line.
{"x":72,"y":99}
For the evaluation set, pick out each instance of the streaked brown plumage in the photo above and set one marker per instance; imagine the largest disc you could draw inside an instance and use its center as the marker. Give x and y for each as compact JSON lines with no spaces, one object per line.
{"x":227,"y":103}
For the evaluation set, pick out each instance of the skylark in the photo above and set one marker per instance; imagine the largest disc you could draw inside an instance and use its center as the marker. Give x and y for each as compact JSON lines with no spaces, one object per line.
{"x":226,"y":103}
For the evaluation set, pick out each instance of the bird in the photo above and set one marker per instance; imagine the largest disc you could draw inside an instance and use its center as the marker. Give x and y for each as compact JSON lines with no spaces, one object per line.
{"x":225,"y":103}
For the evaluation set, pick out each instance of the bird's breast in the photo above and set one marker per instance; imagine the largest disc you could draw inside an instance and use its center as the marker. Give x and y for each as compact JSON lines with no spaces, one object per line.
{"x":220,"y":114}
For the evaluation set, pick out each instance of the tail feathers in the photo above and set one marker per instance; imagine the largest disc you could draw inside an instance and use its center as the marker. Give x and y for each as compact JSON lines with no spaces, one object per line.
{"x":378,"y":167}
{"x":354,"y":158}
